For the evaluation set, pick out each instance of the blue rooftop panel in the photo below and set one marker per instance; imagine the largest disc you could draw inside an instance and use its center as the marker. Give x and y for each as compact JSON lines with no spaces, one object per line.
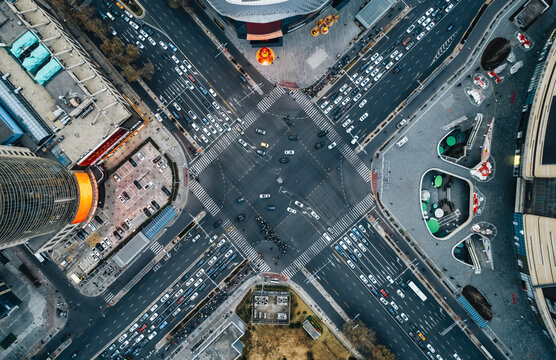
{"x":159,"y":222}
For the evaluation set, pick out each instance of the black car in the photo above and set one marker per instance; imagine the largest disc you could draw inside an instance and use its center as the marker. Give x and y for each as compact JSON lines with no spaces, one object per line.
{"x":319,"y":145}
{"x":147,"y":212}
{"x":157,"y":159}
{"x":120,"y":231}
{"x":137,"y":185}
{"x":334,"y":96}
{"x":240,"y":217}
{"x":260,"y":131}
{"x":323,"y":133}
{"x":179,"y":99}
{"x":293,"y":137}
{"x":218,"y":223}
{"x":116,"y":235}
{"x":99,"y":247}
{"x":165,"y":190}
{"x":354,"y":91}
{"x":125,"y":226}
{"x":284,"y":160}
{"x":207,"y":104}
{"x":155,"y":204}
{"x":132,"y":162}
{"x":126,"y":195}
{"x":99,"y":220}
{"x":166,"y":57}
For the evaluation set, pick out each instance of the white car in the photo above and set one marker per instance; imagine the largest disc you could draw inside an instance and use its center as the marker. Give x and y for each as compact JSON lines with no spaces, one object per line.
{"x":343,"y":245}
{"x":139,"y":44}
{"x":375,"y":72}
{"x":132,"y":329}
{"x":176,"y":60}
{"x":242,"y":142}
{"x":426,"y":22}
{"x":189,"y":67}
{"x":124,"y":345}
{"x":194,"y":296}
{"x":394,"y":305}
{"x":450,"y":7}
{"x":362,"y":247}
{"x":351,"y":265}
{"x":430,"y":26}
{"x":314,"y":214}
{"x":198,"y":282}
{"x":354,"y":139}
{"x":213,"y":260}
{"x":152,"y":335}
{"x":347,"y":90}
{"x":347,"y":122}
{"x":409,"y":30}
{"x":343,"y":88}
{"x":212,"y":129}
{"x":183,"y":68}
{"x":215,"y":104}
{"x":189,"y":282}
{"x":164,"y":298}
{"x":211,"y":91}
{"x":221,"y":242}
{"x":378,"y":60}
{"x":357,"y":253}
{"x":180,"y":73}
{"x":155,"y":306}
{"x":421,"y":19}
{"x":332,"y":146}
{"x":289,"y":152}
{"x":399,"y":56}
{"x":400,"y":293}
{"x":298,"y":204}
{"x":394,"y":53}
{"x":163,"y":45}
{"x":429,"y":346}
{"x":359,"y":79}
{"x":389,"y":278}
{"x":373,"y":58}
{"x":292,"y":210}
{"x":365,"y":82}
{"x":383,"y":301}
{"x":204,"y":138}
{"x":264,"y":196}
{"x":136,"y":27}
{"x":153,"y":316}
{"x":206,"y":131}
{"x":372,"y":278}
{"x":346,"y":100}
{"x":376,"y":78}
{"x":349,"y":129}
{"x":230,"y":252}
{"x":176,"y":312}
{"x":420,"y":36}
{"x":324,"y":104}
{"x":177,"y":106}
{"x":141,"y":37}
{"x":139,"y":338}
{"x":357,"y":97}
{"x":122,"y":338}
{"x":369,"y":69}
{"x":192,"y":114}
{"x":189,"y":85}
{"x":362,"y":103}
{"x":429,"y":11}
{"x":338,"y":99}
{"x":209,"y":116}
{"x":151,"y":40}
{"x":218,"y":127}
{"x":404,"y":317}
{"x":389,"y":65}
{"x":364,"y":116}
{"x":327,"y":110}
{"x":364,"y":279}
{"x":178,"y":293}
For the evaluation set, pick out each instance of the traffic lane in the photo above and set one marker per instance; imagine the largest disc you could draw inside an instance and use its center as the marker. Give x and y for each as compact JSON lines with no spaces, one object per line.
{"x":354,"y":299}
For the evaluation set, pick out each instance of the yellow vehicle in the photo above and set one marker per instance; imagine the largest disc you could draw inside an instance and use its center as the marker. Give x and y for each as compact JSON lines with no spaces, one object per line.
{"x":265,"y":145}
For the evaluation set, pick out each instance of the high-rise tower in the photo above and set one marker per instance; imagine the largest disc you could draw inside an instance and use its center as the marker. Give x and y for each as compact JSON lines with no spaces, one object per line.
{"x":39,"y":196}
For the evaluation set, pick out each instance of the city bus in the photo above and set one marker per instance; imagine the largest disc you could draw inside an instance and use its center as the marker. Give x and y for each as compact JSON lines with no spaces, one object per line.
{"x":416,"y":290}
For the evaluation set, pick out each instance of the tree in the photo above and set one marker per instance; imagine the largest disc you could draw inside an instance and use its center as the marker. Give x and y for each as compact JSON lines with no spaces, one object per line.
{"x":131,"y":53}
{"x":361,"y":337}
{"x":147,"y":71}
{"x":130,"y":73}
{"x":174,"y":4}
{"x":381,"y":352}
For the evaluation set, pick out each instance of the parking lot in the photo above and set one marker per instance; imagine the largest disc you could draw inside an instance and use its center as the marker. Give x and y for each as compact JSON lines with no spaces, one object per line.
{"x":320,"y":179}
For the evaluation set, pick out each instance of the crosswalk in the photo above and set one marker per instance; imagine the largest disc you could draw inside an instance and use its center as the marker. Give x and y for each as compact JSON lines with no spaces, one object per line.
{"x":318,"y":118}
{"x":108,"y":296}
{"x":156,"y":247}
{"x":204,"y":198}
{"x":221,"y":144}
{"x":270,"y":98}
{"x":239,"y":240}
{"x":342,"y":225}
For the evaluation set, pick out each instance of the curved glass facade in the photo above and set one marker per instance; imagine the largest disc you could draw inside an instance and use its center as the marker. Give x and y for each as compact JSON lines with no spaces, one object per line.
{"x":37,"y":196}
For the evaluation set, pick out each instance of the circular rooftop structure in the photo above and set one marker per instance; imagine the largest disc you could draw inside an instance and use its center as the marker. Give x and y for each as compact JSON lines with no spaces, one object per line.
{"x":496,"y":53}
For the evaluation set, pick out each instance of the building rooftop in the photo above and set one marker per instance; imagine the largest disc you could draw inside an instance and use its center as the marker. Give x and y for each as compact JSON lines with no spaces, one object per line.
{"x":541,"y":249}
{"x":219,"y":346}
{"x":103,"y":108}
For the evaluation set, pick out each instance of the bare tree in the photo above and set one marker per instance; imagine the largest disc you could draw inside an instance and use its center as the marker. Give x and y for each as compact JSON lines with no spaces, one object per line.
{"x":362,"y":338}
{"x":381,"y":352}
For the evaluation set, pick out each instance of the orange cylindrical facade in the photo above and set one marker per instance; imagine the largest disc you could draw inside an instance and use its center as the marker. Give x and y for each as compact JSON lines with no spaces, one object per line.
{"x":85,"y":186}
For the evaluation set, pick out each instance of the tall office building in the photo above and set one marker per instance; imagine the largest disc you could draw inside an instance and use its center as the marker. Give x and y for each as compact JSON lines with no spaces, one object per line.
{"x":39,"y":196}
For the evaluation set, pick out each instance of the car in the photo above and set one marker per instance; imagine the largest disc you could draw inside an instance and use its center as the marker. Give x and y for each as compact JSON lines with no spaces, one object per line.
{"x":191,"y":77}
{"x":176,"y":60}
{"x":325,"y":104}
{"x":284,"y":160}
{"x":327,"y":110}
{"x":409,"y":30}
{"x":357,"y":97}
{"x":204,"y":138}
{"x":332,"y":146}
{"x":132,"y":329}
{"x":450,"y":7}
{"x":357,"y":253}
{"x":404,"y":317}
{"x":338,"y":99}
{"x":420,"y":36}
{"x":377,"y":77}
{"x":265,"y":145}
{"x":349,"y":129}
{"x":142,"y":328}
{"x":261,"y":152}
{"x":291,"y":210}
{"x":377,"y":61}
{"x":393,"y":55}
{"x":421,"y":336}
{"x":347,"y":122}
{"x":391,"y":311}
{"x":389,"y":278}
{"x":431,"y":348}
{"x":430,"y":26}
{"x":456,"y":356}
{"x":343,"y":88}
{"x":421,"y":19}
{"x":370,"y":68}
{"x":351,"y":264}
{"x":389,"y":65}
{"x":242,"y":142}
{"x":383,"y":301}
{"x":426,"y":22}
{"x":346,"y":100}
{"x":373,"y":290}
{"x":319,"y":145}
{"x":359,"y":79}
{"x":364,"y":116}
{"x":394,"y":305}
{"x":449,"y":28}
{"x":260,"y":131}
{"x":315,"y":215}
{"x":397,"y":69}
{"x":400,"y":293}
{"x":177,"y":69}
{"x":293,"y":137}
{"x":384,"y":293}
{"x":194,"y":296}
{"x":399,"y":56}
{"x":152,"y":335}
{"x":365,"y":82}
{"x":133,"y":25}
{"x":153,"y":316}
{"x":163,"y":45}
{"x":289,"y":152}
{"x":212,"y":129}
{"x":402,"y":141}
{"x":264,"y":196}
{"x":218,"y":223}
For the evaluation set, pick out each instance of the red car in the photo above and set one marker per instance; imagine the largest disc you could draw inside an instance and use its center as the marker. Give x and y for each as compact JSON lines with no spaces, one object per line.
{"x":384,"y":293}
{"x":406,"y":41}
{"x":181,"y":299}
{"x":142,"y":328}
{"x":191,"y":77}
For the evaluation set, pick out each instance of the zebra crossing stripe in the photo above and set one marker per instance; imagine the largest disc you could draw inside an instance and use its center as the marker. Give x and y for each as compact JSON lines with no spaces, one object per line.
{"x":108,"y":297}
{"x":204,"y":198}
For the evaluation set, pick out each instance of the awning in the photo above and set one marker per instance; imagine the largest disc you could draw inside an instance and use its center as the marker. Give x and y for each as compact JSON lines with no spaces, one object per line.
{"x":264,"y":31}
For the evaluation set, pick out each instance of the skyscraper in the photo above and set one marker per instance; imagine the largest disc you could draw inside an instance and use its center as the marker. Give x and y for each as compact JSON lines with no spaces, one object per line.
{"x":39,"y":196}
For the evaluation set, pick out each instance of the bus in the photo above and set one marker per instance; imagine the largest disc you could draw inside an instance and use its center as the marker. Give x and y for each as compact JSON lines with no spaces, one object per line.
{"x":41,"y":258}
{"x":416,"y":290}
